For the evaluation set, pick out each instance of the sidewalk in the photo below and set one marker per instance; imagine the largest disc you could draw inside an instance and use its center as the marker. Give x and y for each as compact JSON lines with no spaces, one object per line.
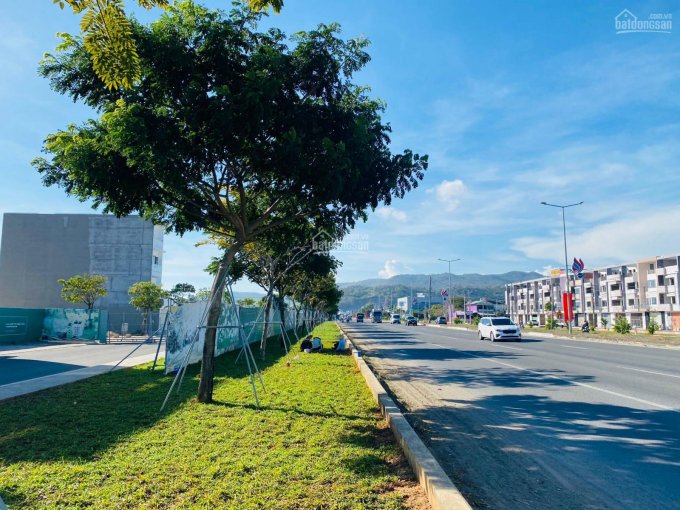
{"x":19,"y":388}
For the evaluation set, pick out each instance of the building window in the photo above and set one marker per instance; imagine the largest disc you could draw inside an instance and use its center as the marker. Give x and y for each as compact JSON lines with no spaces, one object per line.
{"x":604,"y":304}
{"x":651,"y":284}
{"x":651,"y":267}
{"x":615,"y":287}
{"x":155,"y":260}
{"x":631,"y":286}
{"x":651,"y":301}
{"x":631,"y":302}
{"x":660,"y":279}
{"x":671,"y":281}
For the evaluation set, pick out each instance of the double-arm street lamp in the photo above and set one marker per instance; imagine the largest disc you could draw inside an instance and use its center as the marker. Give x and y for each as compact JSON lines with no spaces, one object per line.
{"x":566,"y":260}
{"x":450,"y":295}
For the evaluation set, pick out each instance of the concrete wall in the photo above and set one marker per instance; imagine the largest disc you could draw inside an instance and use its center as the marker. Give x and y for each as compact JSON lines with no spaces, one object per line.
{"x":38,"y":249}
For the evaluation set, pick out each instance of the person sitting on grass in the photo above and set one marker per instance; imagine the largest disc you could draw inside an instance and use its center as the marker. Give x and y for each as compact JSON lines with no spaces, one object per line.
{"x":316,"y":344}
{"x":341,"y":344}
{"x":306,"y":343}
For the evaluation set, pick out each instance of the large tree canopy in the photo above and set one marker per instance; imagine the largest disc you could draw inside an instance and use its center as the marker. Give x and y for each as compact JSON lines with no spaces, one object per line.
{"x":107,"y":34}
{"x":229,"y":130}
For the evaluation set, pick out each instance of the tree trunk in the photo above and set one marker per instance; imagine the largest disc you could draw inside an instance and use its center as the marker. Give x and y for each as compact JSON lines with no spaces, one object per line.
{"x":282,"y":307}
{"x":265,"y":329}
{"x":205,"y":386}
{"x":282,"y":315}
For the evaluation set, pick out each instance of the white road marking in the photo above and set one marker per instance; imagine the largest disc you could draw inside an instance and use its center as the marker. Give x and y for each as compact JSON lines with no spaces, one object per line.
{"x":648,"y":371}
{"x":20,"y":350}
{"x":584,"y":385}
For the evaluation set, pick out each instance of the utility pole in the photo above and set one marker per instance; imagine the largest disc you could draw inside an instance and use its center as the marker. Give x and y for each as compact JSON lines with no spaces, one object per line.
{"x":566,"y":260}
{"x":429,"y":299}
{"x":451,"y":306}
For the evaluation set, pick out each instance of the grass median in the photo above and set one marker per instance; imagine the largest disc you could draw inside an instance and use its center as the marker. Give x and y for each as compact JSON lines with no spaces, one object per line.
{"x":317,"y":442}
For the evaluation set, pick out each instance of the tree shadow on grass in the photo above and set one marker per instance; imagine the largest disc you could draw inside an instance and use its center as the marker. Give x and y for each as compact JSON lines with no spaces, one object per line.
{"x":79,"y":421}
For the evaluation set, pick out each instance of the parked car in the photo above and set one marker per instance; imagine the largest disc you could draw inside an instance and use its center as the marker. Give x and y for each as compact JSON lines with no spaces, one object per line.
{"x":441,"y":320}
{"x":411,"y":321}
{"x":396,"y":319}
{"x":561,"y":324}
{"x":498,"y":328}
{"x":533,"y":322}
{"x":360,"y":317}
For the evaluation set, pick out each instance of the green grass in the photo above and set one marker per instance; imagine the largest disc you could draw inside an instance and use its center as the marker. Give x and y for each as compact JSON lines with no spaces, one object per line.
{"x":318,"y":441}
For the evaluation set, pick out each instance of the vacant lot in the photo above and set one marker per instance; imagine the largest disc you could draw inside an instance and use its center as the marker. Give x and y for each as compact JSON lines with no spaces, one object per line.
{"x":317,"y":441}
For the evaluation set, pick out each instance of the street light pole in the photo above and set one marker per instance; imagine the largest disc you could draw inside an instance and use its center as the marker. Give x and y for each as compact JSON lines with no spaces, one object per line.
{"x":566,"y":260}
{"x":450,"y":295}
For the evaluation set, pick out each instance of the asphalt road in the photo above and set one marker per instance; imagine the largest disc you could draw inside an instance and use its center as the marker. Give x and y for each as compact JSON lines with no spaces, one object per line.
{"x":26,"y":362}
{"x":545,"y":423}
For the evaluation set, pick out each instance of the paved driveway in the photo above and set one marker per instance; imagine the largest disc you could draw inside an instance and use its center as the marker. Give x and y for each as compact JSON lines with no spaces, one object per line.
{"x":26,"y":368}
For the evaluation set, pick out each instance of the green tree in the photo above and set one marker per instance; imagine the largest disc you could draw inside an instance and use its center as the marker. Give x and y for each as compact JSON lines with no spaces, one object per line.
{"x":652,"y":326}
{"x":147,"y":297}
{"x":604,"y":322}
{"x":108,"y":36}
{"x":179,"y":292}
{"x":229,"y":131}
{"x":548,"y":307}
{"x":83,"y":288}
{"x":202,"y":294}
{"x":621,"y":324}
{"x":247,"y":301}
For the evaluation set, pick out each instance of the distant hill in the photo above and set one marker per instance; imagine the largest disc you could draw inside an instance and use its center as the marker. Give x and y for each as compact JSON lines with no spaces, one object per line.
{"x":474,"y":286}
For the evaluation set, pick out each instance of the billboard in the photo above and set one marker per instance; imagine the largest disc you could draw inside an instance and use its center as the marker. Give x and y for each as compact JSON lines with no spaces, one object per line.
{"x":183,"y":326}
{"x":71,"y":323}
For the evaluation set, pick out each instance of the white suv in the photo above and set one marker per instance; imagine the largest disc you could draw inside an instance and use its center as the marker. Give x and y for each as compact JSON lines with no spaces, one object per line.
{"x":498,"y":328}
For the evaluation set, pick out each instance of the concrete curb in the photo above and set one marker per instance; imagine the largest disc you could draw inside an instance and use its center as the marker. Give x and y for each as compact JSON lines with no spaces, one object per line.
{"x":441,"y":492}
{"x":19,"y":388}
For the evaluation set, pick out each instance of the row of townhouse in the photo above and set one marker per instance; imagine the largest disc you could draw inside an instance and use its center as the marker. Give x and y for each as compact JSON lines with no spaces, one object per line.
{"x":643,"y":291}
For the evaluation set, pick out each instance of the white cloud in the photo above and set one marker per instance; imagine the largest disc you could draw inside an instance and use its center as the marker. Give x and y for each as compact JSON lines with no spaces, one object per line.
{"x":449,"y":193}
{"x":627,"y":239}
{"x":389,"y":270}
{"x":392,"y":268}
{"x":390,"y":213}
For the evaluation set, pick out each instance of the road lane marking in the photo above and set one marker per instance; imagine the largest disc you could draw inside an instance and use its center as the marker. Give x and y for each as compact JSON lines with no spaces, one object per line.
{"x":648,"y":371}
{"x":584,"y":385}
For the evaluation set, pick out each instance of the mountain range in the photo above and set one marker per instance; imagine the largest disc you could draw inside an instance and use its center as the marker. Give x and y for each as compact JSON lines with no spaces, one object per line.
{"x":473,"y":286}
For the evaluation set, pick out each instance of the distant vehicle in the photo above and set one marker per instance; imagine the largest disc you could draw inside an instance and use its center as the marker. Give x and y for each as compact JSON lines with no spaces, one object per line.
{"x":360,"y":317}
{"x":396,"y":318}
{"x":411,"y":321}
{"x":561,"y":324}
{"x":498,"y":328}
{"x":377,"y":316}
{"x":533,"y":322}
{"x":441,"y":320}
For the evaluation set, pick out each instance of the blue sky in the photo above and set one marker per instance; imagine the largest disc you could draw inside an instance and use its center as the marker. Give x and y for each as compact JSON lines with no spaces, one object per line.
{"x":516,"y":103}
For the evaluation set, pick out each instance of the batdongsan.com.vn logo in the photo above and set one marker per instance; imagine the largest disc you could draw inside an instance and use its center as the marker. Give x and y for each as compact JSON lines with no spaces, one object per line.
{"x":324,"y":242}
{"x":628,"y":23}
